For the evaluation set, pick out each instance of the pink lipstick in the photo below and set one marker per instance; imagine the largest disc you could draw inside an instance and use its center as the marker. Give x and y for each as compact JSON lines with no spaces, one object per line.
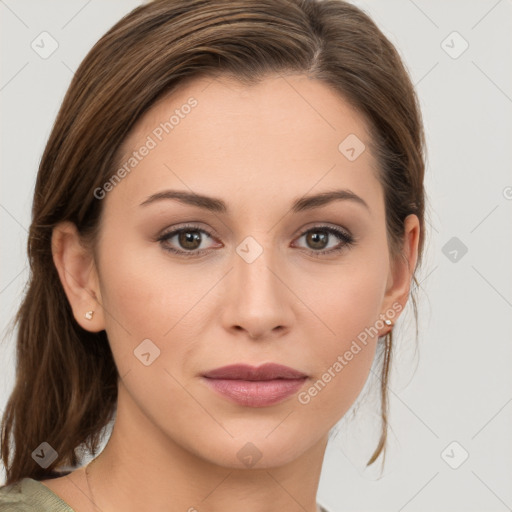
{"x":252,"y":386}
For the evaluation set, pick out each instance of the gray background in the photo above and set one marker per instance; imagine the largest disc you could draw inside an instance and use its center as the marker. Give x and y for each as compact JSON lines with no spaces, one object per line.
{"x":450,"y":395}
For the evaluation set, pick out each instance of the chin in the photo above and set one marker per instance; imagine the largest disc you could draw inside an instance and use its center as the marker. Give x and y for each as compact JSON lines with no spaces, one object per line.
{"x":257,"y":448}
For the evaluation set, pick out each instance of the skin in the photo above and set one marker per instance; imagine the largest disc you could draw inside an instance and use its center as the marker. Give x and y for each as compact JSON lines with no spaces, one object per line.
{"x":175,"y":441}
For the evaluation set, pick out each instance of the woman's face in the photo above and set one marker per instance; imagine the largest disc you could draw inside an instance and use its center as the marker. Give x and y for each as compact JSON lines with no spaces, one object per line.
{"x":249,"y":280}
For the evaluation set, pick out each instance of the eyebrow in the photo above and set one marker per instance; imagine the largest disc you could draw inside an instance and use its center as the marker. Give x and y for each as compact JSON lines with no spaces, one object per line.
{"x":219,"y":206}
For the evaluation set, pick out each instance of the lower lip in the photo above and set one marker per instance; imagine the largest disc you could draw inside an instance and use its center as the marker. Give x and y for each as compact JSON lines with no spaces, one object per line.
{"x":259,"y":393}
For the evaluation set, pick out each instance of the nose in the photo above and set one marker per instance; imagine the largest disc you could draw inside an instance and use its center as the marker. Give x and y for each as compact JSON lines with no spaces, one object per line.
{"x":257,"y":298}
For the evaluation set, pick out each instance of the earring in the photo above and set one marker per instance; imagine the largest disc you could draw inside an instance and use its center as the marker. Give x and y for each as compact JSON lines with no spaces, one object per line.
{"x":388,"y":321}
{"x":89,"y":314}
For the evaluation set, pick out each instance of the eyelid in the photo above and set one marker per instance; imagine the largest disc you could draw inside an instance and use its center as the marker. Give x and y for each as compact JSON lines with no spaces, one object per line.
{"x":326,"y":226}
{"x":192,"y":226}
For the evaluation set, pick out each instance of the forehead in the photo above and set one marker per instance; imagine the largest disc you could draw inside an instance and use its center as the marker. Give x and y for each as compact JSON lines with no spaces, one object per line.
{"x":217,"y":135}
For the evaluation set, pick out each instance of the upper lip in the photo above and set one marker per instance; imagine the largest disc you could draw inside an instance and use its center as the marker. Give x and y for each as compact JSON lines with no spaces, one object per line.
{"x":268,"y":371}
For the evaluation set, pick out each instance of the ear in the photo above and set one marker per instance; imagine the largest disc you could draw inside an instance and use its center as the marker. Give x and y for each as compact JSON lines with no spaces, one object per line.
{"x":402,"y":269}
{"x":78,"y":275}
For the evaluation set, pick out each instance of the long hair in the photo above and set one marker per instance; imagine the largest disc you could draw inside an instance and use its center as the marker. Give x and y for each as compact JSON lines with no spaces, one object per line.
{"x":65,"y":391}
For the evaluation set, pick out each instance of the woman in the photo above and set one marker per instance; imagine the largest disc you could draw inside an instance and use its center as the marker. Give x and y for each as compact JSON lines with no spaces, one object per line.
{"x":227,"y":220}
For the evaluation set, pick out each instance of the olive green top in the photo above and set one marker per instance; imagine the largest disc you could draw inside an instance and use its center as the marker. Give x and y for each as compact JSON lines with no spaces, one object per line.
{"x":29,"y":495}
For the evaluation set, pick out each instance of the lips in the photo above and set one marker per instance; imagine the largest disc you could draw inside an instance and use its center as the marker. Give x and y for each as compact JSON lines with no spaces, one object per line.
{"x":252,"y":386}
{"x":269,"y":371}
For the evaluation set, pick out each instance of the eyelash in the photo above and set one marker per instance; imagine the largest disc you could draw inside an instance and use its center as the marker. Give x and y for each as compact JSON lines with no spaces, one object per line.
{"x":343,"y":236}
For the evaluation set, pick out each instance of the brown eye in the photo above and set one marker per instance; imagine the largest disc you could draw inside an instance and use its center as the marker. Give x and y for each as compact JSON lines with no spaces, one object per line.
{"x":189,"y":239}
{"x":317,"y":239}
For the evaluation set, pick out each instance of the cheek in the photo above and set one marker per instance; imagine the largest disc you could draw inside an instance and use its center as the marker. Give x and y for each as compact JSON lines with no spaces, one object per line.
{"x":348,"y":301}
{"x":349,"y":306}
{"x":144,"y":298}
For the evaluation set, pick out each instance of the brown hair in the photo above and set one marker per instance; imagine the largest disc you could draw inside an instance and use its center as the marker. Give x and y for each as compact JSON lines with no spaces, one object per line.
{"x":66,"y":380}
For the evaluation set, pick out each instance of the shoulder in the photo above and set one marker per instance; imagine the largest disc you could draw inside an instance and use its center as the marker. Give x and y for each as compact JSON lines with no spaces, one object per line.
{"x":29,"y":495}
